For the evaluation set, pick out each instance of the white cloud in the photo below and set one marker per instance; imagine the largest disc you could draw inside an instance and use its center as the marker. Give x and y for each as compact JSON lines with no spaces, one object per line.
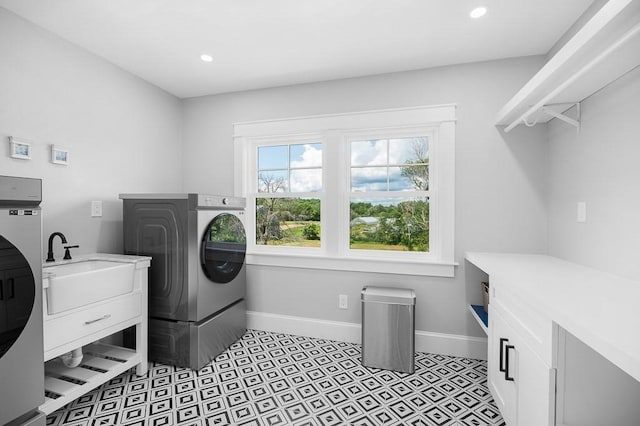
{"x":310,"y":157}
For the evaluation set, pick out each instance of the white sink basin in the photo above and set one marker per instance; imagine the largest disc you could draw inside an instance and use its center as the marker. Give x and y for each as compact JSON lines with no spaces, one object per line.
{"x":76,"y":284}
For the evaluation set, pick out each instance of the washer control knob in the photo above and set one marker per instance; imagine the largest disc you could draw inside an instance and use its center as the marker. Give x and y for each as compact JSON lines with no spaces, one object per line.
{"x":225,"y":201}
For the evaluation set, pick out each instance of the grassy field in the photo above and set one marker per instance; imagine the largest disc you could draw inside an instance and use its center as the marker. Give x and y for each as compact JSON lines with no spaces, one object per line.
{"x":293,"y":237}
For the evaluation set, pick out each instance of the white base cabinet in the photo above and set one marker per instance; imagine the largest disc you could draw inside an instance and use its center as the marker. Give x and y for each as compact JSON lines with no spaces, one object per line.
{"x":563,"y":347}
{"x":522,"y":384}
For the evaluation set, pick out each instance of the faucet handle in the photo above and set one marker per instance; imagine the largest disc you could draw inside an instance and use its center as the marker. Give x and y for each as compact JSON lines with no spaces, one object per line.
{"x":67,"y":255}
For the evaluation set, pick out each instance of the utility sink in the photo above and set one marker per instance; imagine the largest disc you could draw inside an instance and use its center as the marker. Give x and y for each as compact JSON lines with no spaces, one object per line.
{"x":75,"y":284}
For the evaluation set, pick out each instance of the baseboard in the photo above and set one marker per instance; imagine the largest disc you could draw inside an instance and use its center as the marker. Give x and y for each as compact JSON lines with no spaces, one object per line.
{"x":426,"y":341}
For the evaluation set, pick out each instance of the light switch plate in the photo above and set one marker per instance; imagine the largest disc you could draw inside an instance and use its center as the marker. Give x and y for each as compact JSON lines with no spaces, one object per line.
{"x":581,"y":212}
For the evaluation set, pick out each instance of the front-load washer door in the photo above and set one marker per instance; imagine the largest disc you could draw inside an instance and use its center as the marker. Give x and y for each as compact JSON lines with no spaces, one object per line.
{"x":17,"y":294}
{"x":223,"y":248}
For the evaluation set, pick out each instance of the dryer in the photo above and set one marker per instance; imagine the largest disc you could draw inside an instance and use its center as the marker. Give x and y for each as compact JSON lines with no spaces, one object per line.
{"x":21,"y":349}
{"x":197,"y":278}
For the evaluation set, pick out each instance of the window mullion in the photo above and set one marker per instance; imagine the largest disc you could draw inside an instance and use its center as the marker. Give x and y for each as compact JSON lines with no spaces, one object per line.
{"x":332,"y":179}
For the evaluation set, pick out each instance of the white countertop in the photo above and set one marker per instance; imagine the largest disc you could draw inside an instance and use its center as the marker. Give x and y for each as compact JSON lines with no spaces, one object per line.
{"x":601,"y":309}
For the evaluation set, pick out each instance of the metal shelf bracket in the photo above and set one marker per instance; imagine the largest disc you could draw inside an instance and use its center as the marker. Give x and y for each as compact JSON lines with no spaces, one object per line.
{"x":549,"y":110}
{"x":575,"y":122}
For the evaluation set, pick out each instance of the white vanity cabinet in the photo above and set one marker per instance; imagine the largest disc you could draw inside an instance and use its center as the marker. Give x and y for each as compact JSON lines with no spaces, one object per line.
{"x":84,"y":325}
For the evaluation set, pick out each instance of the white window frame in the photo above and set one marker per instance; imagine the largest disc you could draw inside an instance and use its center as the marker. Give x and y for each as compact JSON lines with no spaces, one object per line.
{"x":334,"y":131}
{"x":251,"y":188}
{"x":393,"y":133}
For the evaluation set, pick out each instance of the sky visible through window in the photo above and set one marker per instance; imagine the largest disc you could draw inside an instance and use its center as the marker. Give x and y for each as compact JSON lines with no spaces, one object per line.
{"x":376,"y":165}
{"x":297,"y":167}
{"x":389,"y":164}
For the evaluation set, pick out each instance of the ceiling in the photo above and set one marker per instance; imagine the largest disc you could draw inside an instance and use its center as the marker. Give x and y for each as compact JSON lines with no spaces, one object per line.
{"x":267,"y":43}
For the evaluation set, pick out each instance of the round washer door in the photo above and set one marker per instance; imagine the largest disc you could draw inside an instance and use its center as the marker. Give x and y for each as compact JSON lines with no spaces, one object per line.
{"x":17,"y":294}
{"x":223,"y":248}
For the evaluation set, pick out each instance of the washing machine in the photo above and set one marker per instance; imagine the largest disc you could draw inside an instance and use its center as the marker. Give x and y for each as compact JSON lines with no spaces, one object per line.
{"x":197,"y":278}
{"x":21,"y":349}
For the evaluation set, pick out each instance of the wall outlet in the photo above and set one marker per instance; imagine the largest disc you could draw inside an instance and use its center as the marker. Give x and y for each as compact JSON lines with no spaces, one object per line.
{"x":343,"y":301}
{"x":581,"y":212}
{"x":96,"y":209}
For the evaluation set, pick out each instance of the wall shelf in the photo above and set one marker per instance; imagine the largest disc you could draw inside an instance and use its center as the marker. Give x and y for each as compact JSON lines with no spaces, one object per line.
{"x":481,"y":317}
{"x":603,"y":50}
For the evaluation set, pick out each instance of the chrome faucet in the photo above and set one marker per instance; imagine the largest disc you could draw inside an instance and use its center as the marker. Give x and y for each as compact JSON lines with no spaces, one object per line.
{"x":50,"y":246}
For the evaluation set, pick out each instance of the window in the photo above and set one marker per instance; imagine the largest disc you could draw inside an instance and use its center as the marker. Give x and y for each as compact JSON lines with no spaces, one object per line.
{"x":369,"y":191}
{"x":287,"y":209}
{"x":389,"y":194}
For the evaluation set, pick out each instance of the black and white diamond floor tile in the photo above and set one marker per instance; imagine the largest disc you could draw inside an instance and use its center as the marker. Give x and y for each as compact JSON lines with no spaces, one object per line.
{"x":269,"y":379}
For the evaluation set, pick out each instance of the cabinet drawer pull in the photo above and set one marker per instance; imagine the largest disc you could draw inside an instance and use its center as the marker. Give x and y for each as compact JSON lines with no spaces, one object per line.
{"x":502,"y":367}
{"x":98,"y":319}
{"x":506,"y":370}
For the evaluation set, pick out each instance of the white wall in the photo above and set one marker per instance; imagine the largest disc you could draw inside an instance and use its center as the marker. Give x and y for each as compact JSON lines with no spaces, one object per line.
{"x":123,"y":133}
{"x":599,"y":166}
{"x":500,"y":183}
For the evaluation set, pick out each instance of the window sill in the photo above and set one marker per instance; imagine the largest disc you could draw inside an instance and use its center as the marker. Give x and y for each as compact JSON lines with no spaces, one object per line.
{"x":354,"y":264}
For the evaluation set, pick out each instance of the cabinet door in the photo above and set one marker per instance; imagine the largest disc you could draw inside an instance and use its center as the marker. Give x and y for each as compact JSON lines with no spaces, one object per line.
{"x":504,"y":391}
{"x":536,"y":388}
{"x":523,"y":386}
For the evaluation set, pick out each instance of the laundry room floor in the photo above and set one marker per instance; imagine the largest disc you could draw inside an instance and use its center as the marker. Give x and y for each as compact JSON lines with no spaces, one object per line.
{"x":277,"y":379}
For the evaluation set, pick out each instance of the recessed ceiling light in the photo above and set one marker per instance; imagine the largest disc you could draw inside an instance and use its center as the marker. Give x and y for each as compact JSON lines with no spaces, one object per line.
{"x":478,"y":12}
{"x":206,"y":58}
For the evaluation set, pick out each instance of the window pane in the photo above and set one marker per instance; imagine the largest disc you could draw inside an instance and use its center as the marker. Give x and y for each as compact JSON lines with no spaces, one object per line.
{"x":306,"y":180}
{"x":273,"y":157}
{"x":408,"y":151}
{"x":288,"y":222}
{"x":409,"y":178}
{"x":306,"y":155}
{"x":273,"y":181}
{"x":369,"y":153}
{"x":368,"y":179}
{"x":394,"y":224}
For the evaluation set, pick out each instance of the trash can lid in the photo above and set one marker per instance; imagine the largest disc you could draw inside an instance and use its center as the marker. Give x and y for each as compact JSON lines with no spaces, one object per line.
{"x":398,"y":296}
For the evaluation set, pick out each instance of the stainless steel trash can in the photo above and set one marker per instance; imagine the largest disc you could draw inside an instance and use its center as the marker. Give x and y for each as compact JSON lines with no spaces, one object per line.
{"x":388,"y":328}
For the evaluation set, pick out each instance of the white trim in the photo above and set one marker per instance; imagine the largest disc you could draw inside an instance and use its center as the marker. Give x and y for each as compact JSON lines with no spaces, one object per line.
{"x":426,"y":341}
{"x":301,"y":326}
{"x":348,"y":121}
{"x":378,"y":265}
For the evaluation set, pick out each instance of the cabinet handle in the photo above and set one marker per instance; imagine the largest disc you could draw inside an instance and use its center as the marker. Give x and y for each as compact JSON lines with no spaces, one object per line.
{"x":98,"y":319}
{"x":502,"y":368}
{"x":506,"y":370}
{"x":1,"y":290}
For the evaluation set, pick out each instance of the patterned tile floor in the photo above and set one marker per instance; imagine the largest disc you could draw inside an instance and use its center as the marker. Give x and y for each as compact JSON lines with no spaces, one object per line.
{"x":276,"y":379}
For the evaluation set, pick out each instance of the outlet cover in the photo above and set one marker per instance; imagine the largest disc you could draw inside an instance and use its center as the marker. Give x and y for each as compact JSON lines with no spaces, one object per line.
{"x":343,"y":301}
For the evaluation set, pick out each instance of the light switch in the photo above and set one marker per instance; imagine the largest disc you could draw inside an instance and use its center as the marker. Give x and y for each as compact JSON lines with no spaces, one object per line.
{"x":582,"y":212}
{"x":96,"y":209}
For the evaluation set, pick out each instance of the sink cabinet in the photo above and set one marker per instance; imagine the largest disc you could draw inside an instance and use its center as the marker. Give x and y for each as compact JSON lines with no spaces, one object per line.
{"x":83,"y":327}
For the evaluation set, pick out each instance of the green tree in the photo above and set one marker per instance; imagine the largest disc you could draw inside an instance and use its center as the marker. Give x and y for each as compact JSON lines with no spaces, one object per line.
{"x":311,"y":231}
{"x":269,"y":211}
{"x":417,"y":168}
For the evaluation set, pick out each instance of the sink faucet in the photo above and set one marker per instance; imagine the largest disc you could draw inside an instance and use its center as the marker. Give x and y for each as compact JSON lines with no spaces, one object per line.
{"x":50,"y":246}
